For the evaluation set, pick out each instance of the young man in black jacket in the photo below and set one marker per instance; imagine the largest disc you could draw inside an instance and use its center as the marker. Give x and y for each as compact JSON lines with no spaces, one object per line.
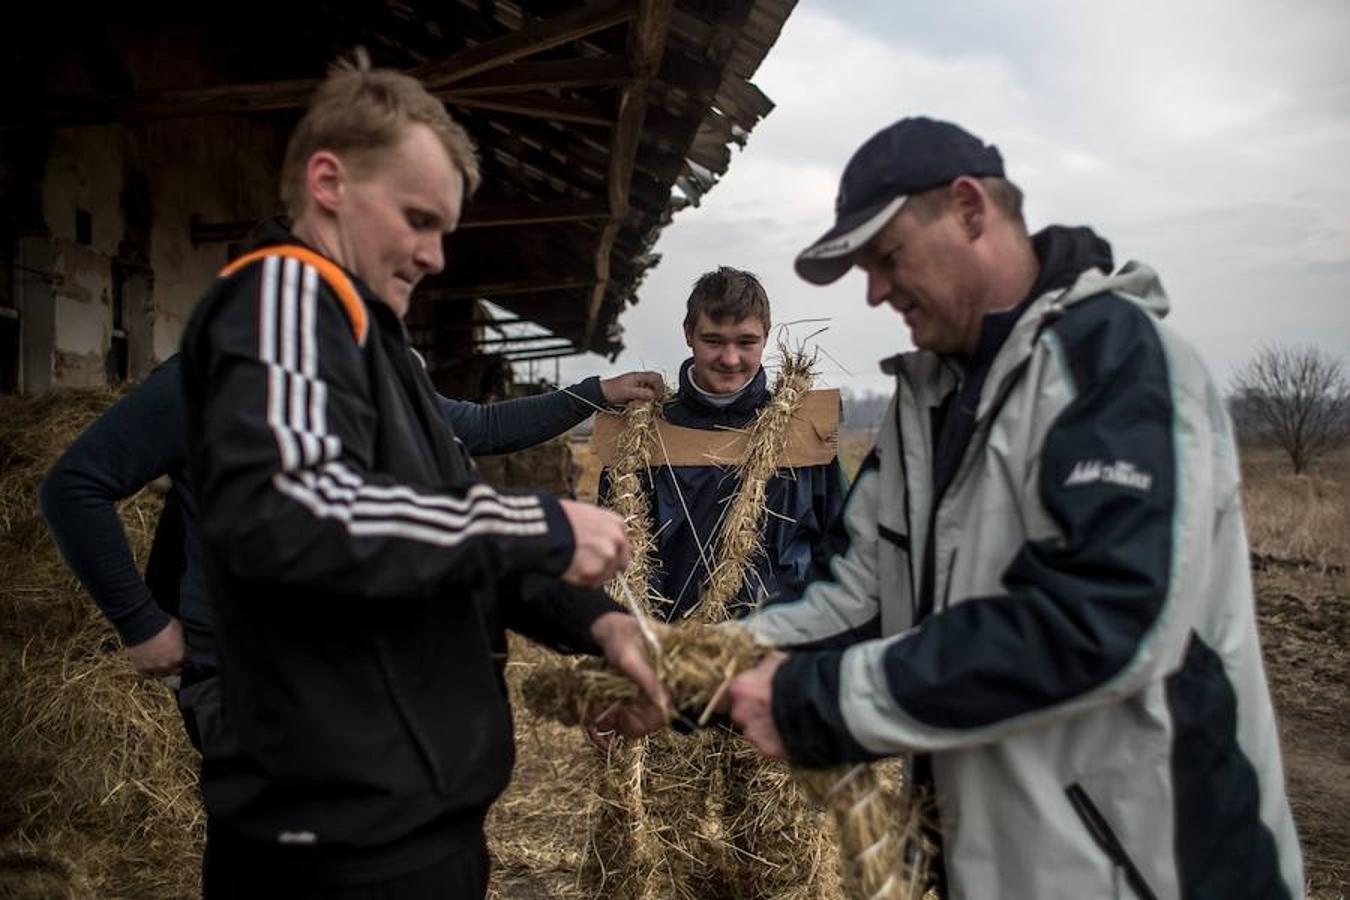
{"x":361,"y":575}
{"x":165,"y":619}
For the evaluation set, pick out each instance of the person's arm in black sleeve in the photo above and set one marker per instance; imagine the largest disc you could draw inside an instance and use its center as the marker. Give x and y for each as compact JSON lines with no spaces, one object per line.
{"x":284,"y":459}
{"x":556,"y":614}
{"x":511,"y":425}
{"x":137,"y":440}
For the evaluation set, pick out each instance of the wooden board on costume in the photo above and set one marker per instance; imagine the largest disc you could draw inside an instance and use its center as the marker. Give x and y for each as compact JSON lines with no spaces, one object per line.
{"x":813,"y":439}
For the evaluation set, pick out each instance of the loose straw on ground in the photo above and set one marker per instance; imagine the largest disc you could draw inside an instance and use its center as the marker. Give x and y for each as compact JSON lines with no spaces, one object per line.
{"x":100,"y":792}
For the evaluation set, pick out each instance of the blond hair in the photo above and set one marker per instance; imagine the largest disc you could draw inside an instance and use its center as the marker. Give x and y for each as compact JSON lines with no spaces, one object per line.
{"x":357,"y":110}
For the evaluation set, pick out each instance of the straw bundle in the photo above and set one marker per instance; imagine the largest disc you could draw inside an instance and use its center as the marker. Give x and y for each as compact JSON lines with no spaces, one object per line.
{"x":880,"y":859}
{"x":777,"y":840}
{"x":100,"y":785}
{"x":627,"y":498}
{"x":738,"y":540}
{"x":622,"y":853}
{"x":698,"y":817}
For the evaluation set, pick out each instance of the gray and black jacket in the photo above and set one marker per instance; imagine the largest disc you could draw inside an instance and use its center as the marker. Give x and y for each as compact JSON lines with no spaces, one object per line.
{"x":1067,"y":632}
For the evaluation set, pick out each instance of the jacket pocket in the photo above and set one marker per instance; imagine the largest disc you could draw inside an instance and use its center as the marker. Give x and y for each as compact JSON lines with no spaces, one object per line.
{"x":894,"y":538}
{"x":1105,"y":838}
{"x":407,"y":713}
{"x":203,"y":708}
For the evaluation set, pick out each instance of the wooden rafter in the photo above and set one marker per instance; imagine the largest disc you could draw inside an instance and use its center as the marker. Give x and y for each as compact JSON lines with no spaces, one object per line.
{"x":558,"y":353}
{"x":487,"y":68}
{"x":543,"y":74}
{"x":492,"y":215}
{"x":532,"y":38}
{"x":646,"y":46}
{"x":540,"y":105}
{"x":502,"y":288}
{"x":502,"y":214}
{"x":519,"y":339}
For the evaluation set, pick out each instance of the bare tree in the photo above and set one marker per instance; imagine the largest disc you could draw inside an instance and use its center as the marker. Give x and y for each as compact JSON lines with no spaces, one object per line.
{"x":1297,"y":397}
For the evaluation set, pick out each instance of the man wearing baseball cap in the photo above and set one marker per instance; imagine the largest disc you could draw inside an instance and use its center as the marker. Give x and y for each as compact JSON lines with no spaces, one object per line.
{"x":1043,"y":597}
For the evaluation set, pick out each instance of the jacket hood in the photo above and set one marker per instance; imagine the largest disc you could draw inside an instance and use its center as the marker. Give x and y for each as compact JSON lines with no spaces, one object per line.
{"x":1134,"y":281}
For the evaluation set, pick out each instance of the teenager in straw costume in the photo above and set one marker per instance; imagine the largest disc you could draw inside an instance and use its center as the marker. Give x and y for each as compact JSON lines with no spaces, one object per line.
{"x":732,"y":497}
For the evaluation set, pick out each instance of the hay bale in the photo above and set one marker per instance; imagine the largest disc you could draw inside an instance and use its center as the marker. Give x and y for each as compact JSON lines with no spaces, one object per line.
{"x":545,"y":467}
{"x":100,"y":796}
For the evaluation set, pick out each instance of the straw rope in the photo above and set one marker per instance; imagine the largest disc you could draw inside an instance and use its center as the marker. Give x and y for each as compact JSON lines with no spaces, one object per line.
{"x":738,"y":541}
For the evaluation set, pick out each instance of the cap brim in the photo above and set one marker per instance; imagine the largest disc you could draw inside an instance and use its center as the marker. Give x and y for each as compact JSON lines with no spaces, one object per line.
{"x":828,"y":258}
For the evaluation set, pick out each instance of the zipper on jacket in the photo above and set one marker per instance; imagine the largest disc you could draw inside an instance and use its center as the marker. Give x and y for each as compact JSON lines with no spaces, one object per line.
{"x":419,"y":739}
{"x":947,"y":588}
{"x":901,"y":383}
{"x":1105,"y":837}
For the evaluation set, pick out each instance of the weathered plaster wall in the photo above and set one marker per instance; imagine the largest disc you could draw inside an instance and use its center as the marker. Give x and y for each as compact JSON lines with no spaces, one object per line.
{"x":218,"y":170}
{"x":83,"y":172}
{"x":144,"y":185}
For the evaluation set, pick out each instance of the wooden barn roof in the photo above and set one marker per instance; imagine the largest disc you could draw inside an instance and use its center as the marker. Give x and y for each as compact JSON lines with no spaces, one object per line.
{"x":596,"y":121}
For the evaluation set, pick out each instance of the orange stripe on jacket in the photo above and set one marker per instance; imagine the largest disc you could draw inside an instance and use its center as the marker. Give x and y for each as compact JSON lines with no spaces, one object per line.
{"x":337,"y":279}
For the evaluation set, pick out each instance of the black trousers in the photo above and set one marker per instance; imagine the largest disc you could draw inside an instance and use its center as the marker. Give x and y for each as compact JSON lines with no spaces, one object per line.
{"x":236,"y":868}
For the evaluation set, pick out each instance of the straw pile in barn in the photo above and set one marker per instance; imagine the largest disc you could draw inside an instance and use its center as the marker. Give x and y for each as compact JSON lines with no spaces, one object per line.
{"x":100,"y":784}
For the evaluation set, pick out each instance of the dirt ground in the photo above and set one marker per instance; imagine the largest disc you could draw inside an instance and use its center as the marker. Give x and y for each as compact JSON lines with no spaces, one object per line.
{"x":1305,"y":622}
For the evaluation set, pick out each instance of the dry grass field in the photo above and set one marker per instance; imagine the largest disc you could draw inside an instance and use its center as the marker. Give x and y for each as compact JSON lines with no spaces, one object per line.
{"x":97,"y":799}
{"x":1299,"y":528}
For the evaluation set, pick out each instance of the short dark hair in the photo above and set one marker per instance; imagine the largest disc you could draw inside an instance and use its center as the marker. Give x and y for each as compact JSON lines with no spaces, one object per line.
{"x":1007,"y":198}
{"x":727,"y":294}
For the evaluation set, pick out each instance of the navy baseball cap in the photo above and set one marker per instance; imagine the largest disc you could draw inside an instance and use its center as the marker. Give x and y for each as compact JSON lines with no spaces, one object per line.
{"x":909,"y":157}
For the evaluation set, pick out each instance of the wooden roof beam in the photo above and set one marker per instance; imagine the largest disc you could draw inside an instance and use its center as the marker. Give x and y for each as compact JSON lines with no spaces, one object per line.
{"x":492,"y":215}
{"x":542,"y":75}
{"x":646,"y":47}
{"x":554,"y":353}
{"x":472,"y":72}
{"x":518,"y":339}
{"x":434,"y":293}
{"x":540,"y":105}
{"x":503,"y":214}
{"x":534,"y":37}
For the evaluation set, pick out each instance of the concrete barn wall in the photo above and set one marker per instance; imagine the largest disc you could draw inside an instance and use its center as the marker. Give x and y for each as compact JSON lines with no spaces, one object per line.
{"x":143,"y":186}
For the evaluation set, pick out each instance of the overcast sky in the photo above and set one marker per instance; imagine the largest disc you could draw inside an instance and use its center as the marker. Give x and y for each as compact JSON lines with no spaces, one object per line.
{"x":1210,"y":139}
